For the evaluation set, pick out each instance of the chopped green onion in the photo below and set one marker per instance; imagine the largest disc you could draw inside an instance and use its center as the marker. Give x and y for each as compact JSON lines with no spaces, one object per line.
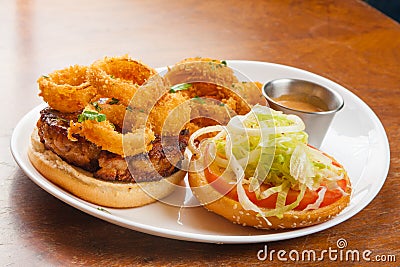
{"x":96,"y":106}
{"x":113,"y":101}
{"x":104,"y":210}
{"x":179,"y":87}
{"x":91,"y":115}
{"x":198,"y":99}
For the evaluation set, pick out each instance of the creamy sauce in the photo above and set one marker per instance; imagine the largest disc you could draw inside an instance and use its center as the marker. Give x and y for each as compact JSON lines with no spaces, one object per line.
{"x":302,"y":103}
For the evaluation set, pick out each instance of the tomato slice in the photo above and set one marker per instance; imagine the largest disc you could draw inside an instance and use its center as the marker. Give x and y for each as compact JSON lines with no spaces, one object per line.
{"x":333,"y":195}
{"x":269,"y":202}
{"x":309,"y":198}
{"x":213,"y":174}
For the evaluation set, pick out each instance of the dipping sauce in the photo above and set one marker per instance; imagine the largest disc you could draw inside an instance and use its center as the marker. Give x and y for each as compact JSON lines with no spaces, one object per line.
{"x":302,"y":103}
{"x":299,"y":105}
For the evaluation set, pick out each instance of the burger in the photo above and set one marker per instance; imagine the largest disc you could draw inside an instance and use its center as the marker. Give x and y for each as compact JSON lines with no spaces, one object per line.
{"x":94,"y":143}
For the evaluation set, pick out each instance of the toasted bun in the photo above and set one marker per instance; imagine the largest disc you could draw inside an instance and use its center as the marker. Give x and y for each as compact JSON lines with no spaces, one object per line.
{"x":232,"y":210}
{"x":83,"y":185}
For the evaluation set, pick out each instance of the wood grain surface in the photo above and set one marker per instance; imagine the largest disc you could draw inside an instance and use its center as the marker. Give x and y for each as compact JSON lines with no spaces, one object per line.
{"x":344,"y":40}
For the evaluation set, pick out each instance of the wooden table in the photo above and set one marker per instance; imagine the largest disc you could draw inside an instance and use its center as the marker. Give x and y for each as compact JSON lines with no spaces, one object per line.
{"x":345,"y":41}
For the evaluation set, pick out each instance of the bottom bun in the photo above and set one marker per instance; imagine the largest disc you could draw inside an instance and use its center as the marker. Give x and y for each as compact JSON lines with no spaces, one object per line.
{"x":232,"y":210}
{"x":105,"y":193}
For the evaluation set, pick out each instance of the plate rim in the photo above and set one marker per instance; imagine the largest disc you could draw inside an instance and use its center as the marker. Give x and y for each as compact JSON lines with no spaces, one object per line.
{"x":89,"y":208}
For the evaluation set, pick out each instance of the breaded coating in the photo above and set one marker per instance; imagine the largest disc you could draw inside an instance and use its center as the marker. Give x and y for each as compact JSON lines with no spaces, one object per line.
{"x":201,"y":70}
{"x":66,"y":90}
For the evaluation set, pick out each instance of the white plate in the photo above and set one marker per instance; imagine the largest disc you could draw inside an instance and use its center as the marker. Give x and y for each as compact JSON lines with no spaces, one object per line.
{"x":356,"y":138}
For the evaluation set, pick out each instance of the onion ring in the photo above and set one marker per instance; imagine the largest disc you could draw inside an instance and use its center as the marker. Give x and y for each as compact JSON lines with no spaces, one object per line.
{"x":67,"y":90}
{"x":170,"y":114}
{"x":225,"y":97}
{"x":250,"y":92}
{"x":115,"y":112}
{"x":125,"y":118}
{"x":201,"y":70}
{"x":104,"y":135}
{"x":118,"y":77}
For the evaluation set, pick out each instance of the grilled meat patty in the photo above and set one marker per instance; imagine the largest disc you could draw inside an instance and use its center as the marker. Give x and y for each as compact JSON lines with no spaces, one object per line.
{"x":53,"y":132}
{"x":159,"y":162}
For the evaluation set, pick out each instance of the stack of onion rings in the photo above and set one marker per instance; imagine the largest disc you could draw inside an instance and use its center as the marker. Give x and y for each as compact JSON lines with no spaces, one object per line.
{"x":106,"y":87}
{"x":137,"y":103}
